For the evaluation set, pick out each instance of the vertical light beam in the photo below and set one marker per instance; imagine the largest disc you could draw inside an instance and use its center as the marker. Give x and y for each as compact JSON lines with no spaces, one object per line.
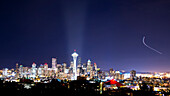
{"x":74,"y":16}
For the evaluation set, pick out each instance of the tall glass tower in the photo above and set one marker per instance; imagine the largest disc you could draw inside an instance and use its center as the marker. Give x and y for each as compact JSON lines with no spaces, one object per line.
{"x":74,"y":55}
{"x":54,"y":63}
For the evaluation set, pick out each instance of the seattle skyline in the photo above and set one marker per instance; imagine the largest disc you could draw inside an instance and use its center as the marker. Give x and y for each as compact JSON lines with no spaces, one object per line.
{"x":109,"y":33}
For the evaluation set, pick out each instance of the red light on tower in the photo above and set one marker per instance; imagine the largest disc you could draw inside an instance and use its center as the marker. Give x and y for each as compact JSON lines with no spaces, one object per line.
{"x":74,"y":50}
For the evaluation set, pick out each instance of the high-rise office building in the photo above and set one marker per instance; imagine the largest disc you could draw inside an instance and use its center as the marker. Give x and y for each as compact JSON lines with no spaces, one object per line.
{"x":132,"y":74}
{"x":89,"y":67}
{"x":71,"y":67}
{"x":119,"y":75}
{"x":64,"y":67}
{"x":79,"y":67}
{"x":5,"y":72}
{"x":79,"y":60}
{"x":111,"y":70}
{"x":84,"y":69}
{"x":46,"y":69}
{"x":54,"y":69}
{"x":54,"y":63}
{"x":33,"y":70}
{"x":25,"y":71}
{"x":17,"y":71}
{"x":40,"y":70}
{"x":20,"y":71}
{"x":95,"y":70}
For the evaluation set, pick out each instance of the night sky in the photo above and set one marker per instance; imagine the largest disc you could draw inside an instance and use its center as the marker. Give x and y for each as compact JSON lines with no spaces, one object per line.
{"x":109,"y":32}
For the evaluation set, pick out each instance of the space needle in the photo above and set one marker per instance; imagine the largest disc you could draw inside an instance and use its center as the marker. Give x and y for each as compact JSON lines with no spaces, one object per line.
{"x":74,"y":55}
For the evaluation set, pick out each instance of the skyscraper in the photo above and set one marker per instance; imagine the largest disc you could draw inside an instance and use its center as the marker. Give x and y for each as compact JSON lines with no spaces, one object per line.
{"x":64,"y":67}
{"x":54,"y":63}
{"x":33,"y":70}
{"x":95,"y":70}
{"x":45,"y":69}
{"x":5,"y":72}
{"x":17,"y":71}
{"x":74,"y":55}
{"x":20,"y":71}
{"x":40,"y":70}
{"x":79,"y":60}
{"x":54,"y":69}
{"x":132,"y":74}
{"x":89,"y":68}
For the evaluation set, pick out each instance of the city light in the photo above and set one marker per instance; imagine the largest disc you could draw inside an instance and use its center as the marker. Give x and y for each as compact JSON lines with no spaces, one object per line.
{"x":77,"y":71}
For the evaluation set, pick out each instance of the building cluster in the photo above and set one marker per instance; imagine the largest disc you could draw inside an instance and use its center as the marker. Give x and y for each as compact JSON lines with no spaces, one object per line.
{"x":73,"y":70}
{"x":58,"y":71}
{"x":108,"y":81}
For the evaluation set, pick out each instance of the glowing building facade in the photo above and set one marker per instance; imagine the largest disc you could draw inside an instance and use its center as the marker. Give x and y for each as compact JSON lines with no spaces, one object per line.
{"x":33,"y":71}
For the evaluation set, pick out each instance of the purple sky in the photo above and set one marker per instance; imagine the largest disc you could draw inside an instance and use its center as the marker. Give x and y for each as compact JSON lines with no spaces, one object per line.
{"x":109,"y":32}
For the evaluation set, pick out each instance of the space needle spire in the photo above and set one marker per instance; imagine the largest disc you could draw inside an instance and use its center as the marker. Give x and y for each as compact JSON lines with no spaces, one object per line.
{"x":74,"y":55}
